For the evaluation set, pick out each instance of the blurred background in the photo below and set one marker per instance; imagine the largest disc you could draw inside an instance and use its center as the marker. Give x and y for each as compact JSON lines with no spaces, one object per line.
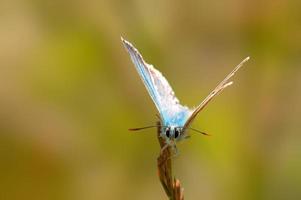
{"x":69,"y":92}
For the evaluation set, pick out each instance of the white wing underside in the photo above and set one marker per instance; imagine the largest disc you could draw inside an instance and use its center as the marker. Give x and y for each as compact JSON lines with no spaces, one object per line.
{"x":218,"y":89}
{"x":158,"y":87}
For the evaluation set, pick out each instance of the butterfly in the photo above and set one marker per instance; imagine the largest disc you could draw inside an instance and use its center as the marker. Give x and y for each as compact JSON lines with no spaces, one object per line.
{"x":175,"y":118}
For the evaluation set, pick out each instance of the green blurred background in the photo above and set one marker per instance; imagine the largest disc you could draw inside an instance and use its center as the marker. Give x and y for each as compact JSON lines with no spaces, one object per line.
{"x":69,"y":92}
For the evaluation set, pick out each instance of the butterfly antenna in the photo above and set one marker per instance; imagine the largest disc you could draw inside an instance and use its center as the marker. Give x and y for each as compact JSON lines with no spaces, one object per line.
{"x":199,"y":131}
{"x":141,"y":128}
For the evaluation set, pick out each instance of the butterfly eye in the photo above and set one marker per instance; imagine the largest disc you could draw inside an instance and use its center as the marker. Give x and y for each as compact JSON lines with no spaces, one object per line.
{"x":177,"y":133}
{"x":167,"y":132}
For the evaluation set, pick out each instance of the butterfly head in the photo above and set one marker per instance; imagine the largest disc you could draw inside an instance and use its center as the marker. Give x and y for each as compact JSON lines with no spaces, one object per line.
{"x":172,"y":133}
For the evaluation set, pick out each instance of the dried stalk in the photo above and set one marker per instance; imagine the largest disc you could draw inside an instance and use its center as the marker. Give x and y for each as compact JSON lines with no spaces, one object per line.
{"x":171,"y":185}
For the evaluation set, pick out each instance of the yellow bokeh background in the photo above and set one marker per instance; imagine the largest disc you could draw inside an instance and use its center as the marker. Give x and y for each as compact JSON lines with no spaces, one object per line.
{"x":69,"y":93}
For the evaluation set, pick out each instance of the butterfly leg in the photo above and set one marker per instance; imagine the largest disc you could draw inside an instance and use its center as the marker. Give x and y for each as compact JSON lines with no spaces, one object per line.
{"x":186,"y":137}
{"x":163,"y":148}
{"x":176,"y":151}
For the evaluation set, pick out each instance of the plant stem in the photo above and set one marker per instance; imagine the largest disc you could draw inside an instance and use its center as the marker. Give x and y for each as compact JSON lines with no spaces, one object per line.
{"x":171,"y":185}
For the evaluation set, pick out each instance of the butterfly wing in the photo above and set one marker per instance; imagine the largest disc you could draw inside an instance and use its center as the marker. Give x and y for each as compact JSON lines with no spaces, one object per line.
{"x":220,"y":87}
{"x":171,"y":111}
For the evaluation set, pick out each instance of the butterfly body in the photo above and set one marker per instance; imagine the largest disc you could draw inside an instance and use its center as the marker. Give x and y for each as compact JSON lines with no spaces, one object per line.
{"x":174,"y":124}
{"x":175,"y":118}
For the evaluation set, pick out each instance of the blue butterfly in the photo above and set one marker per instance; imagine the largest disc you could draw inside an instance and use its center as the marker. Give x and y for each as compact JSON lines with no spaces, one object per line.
{"x":175,"y":118}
